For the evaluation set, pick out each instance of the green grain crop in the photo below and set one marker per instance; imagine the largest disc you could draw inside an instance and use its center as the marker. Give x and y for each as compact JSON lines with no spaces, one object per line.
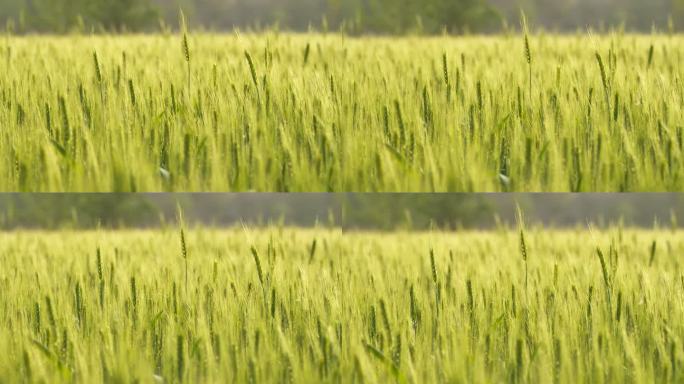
{"x":363,"y":309}
{"x":316,"y":113}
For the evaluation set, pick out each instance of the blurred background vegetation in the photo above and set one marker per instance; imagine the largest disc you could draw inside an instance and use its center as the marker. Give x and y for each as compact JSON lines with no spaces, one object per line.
{"x":348,"y":211}
{"x":351,"y":16}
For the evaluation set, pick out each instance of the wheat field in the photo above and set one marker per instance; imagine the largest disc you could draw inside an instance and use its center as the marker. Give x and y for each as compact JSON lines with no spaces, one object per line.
{"x":314,"y":112}
{"x":277,"y":305}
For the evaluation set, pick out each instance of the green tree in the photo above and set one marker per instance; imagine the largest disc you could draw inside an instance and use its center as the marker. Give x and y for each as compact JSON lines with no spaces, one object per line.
{"x":110,"y":15}
{"x":54,"y":15}
{"x":75,"y":210}
{"x":120,"y":15}
{"x":468,"y":14}
{"x":418,"y":211}
{"x":430,"y":16}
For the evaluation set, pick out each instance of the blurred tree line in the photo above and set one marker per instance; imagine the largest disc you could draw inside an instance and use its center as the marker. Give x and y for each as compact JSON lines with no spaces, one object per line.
{"x":62,"y":16}
{"x":418,"y":211}
{"x":571,"y":15}
{"x":355,"y":16}
{"x":346,"y":211}
{"x":352,"y":16}
{"x":53,"y":211}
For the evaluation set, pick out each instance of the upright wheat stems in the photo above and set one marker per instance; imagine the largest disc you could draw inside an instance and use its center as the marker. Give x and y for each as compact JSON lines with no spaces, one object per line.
{"x":607,"y":281}
{"x":523,"y":245}
{"x":528,"y":50}
{"x":98,"y":75}
{"x":186,"y":46}
{"x":366,"y":296}
{"x":184,"y":248}
{"x":447,"y":80}
{"x":606,"y":85}
{"x":252,"y":72}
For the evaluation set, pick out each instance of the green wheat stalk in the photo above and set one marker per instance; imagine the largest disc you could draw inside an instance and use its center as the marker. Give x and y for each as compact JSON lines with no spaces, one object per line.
{"x":528,"y":49}
{"x":523,"y":244}
{"x":185,"y":46}
{"x":184,"y":248}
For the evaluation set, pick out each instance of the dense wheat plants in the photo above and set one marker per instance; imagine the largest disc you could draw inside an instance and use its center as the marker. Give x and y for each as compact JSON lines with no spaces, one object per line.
{"x":288,"y":305}
{"x":284,"y":112}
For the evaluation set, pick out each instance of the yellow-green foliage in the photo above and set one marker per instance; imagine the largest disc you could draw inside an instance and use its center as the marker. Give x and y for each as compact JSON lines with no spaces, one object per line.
{"x":405,"y":307}
{"x":284,"y":112}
